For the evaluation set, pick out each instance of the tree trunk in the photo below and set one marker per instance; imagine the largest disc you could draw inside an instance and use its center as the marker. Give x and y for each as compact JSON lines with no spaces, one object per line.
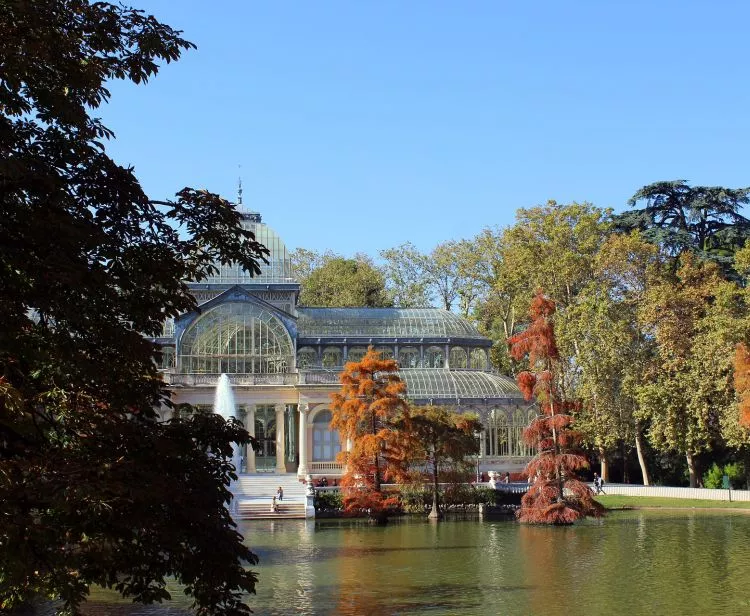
{"x":641,"y":455}
{"x":624,"y":452}
{"x":692,"y":468}
{"x":603,"y":465}
{"x":377,"y":458}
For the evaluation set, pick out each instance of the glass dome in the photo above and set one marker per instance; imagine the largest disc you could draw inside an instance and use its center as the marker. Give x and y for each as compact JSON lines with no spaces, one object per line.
{"x":277,"y":270}
{"x":424,"y":384}
{"x":383,"y":323}
{"x":236,"y":338}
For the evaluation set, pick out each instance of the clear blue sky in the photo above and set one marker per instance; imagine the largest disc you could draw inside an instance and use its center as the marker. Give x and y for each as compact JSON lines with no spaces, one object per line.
{"x":363,"y":124}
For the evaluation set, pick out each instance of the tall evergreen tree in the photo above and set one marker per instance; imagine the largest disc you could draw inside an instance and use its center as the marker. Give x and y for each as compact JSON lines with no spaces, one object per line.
{"x":678,"y":217}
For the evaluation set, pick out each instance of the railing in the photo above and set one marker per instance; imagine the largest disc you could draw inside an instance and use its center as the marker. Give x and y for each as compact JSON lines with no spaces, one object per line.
{"x":325,"y":466}
{"x":519,"y":487}
{"x":318,"y":377}
{"x":670,"y":492}
{"x":210,"y":380}
{"x":491,"y":461}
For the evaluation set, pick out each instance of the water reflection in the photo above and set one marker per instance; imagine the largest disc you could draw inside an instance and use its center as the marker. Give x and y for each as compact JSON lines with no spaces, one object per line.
{"x":630,"y":563}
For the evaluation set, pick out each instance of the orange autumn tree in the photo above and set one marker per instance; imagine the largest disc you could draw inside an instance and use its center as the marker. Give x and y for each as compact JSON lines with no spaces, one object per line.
{"x":364,"y":411}
{"x":557,"y":495}
{"x":742,"y":382}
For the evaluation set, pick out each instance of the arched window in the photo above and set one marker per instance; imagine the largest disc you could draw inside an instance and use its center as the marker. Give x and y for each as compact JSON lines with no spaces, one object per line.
{"x":498,"y":434}
{"x":355,"y":353}
{"x":458,"y":358}
{"x":236,"y":338}
{"x":478,"y":359}
{"x":434,"y":357}
{"x":332,"y":357}
{"x":326,"y":442}
{"x":519,"y":446}
{"x":385,"y":352}
{"x":167,"y":358}
{"x":408,"y":357}
{"x":307,"y":357}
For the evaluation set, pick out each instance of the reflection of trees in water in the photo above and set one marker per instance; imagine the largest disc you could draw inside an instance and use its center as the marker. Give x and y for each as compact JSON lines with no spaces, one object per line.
{"x":408,"y":568}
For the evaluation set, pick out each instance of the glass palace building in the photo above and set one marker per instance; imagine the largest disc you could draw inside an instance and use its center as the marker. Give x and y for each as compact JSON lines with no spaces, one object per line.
{"x":283,"y":361}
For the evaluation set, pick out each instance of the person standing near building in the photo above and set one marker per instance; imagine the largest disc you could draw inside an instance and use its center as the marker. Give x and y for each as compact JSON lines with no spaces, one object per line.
{"x":280,"y":494}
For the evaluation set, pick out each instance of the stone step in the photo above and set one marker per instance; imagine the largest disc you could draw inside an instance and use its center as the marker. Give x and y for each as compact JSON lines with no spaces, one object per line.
{"x":258,"y":510}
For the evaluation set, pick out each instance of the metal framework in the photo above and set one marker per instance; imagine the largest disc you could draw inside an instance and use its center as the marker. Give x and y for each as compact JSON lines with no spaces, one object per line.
{"x":236,"y":338}
{"x":383,"y":323}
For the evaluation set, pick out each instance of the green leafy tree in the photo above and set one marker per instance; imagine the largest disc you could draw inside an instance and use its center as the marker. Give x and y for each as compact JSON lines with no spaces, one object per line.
{"x":405,"y":271}
{"x":613,"y":348}
{"x":696,"y":318}
{"x":439,"y":439}
{"x":94,"y":489}
{"x":550,"y":246}
{"x":678,"y":217}
{"x":344,"y":283}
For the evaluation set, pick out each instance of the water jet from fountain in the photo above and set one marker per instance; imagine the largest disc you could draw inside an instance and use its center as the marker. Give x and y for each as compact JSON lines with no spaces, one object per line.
{"x":224,"y":406}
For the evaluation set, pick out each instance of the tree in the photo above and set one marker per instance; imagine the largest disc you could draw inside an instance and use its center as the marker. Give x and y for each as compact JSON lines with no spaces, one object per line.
{"x":614,"y":350}
{"x":436,"y":438}
{"x":344,"y":283}
{"x":364,"y":411}
{"x":94,"y":489}
{"x":405,"y":271}
{"x":556,"y":495}
{"x":696,"y":318}
{"x":550,"y":246}
{"x":679,"y":217}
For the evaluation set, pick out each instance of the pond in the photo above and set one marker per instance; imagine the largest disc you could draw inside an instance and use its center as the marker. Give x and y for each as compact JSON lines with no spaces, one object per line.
{"x":641,"y":562}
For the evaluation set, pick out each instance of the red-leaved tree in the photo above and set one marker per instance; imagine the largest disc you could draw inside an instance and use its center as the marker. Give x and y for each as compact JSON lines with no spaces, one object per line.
{"x":742,"y":382}
{"x":364,"y":411}
{"x":556,"y":495}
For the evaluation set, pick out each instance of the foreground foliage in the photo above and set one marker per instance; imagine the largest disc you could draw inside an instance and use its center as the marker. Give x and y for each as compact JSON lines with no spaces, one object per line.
{"x":94,"y":489}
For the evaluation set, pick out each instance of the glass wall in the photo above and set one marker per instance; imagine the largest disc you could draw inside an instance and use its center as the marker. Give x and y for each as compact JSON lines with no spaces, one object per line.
{"x":408,"y":357}
{"x":458,"y":359}
{"x":236,"y":338}
{"x":434,"y":357}
{"x":505,"y":438}
{"x":279,"y":266}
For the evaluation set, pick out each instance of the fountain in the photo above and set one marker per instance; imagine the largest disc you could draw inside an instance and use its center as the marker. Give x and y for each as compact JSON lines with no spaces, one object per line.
{"x":224,"y":406}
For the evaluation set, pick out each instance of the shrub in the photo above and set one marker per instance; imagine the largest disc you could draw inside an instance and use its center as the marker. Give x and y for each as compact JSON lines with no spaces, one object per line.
{"x":714,"y":477}
{"x":328,"y":500}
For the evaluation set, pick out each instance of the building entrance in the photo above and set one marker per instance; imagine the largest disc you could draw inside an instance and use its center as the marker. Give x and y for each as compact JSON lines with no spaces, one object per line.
{"x":265,"y":432}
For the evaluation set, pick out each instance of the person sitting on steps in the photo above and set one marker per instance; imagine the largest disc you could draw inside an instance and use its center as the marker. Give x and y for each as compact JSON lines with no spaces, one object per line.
{"x":274,"y":506}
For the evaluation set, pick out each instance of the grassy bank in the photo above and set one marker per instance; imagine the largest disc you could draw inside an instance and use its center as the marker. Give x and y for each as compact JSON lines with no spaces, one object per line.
{"x":617,"y":501}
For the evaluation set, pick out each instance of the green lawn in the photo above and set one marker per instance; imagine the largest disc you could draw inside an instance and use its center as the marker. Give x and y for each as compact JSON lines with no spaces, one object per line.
{"x":617,"y":501}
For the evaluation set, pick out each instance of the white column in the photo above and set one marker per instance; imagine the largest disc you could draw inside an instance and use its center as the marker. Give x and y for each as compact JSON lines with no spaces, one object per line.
{"x":250,"y":427}
{"x":280,"y":434}
{"x":303,"y":411}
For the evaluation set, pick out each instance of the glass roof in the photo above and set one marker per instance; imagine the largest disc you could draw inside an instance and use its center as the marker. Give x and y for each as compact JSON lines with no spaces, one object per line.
{"x":439,"y":383}
{"x":383,"y":322}
{"x":278,"y":269}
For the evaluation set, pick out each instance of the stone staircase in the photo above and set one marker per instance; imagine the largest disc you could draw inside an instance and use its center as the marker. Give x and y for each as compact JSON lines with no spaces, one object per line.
{"x":254,"y":494}
{"x":253,"y":510}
